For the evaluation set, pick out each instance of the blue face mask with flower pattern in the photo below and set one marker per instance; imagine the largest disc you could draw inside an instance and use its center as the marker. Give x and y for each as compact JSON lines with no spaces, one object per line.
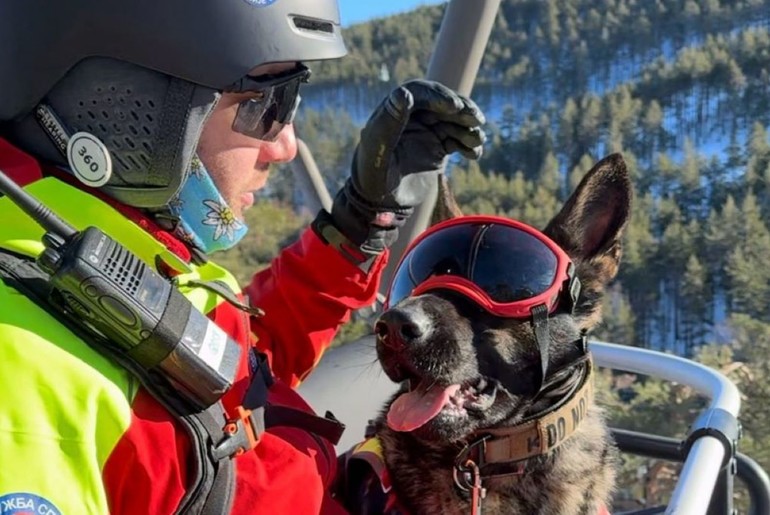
{"x":205,"y":219}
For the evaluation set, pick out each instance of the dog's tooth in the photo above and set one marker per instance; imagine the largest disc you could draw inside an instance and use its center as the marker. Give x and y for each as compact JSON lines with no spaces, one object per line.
{"x":482,"y":385}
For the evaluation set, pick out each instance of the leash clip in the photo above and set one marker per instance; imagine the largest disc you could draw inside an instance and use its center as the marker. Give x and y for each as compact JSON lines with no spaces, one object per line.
{"x":478,"y":492}
{"x":464,"y":467}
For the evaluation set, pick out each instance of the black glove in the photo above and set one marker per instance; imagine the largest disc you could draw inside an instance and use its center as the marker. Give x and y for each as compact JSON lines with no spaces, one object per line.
{"x":402,"y":147}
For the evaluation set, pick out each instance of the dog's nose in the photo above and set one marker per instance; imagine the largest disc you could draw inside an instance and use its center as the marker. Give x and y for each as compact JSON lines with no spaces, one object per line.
{"x":397,"y":327}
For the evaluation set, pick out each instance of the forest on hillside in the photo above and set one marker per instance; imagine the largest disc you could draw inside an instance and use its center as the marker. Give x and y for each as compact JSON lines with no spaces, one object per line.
{"x":681,"y":88}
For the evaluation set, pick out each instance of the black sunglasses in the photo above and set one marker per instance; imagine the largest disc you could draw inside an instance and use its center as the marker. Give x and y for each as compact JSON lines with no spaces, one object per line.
{"x":264,"y":116}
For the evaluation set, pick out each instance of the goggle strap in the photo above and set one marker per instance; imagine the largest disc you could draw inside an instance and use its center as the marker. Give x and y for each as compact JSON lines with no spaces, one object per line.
{"x":571,"y":289}
{"x":543,"y":338}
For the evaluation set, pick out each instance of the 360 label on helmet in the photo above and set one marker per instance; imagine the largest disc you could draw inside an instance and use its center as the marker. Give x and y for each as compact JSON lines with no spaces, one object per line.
{"x":89,"y":159}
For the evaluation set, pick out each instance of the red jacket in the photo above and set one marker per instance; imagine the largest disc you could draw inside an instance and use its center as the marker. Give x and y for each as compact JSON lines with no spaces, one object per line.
{"x":307,"y":293}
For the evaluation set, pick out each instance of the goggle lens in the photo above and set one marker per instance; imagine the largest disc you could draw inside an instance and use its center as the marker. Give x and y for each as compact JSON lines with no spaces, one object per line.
{"x":506,"y":264}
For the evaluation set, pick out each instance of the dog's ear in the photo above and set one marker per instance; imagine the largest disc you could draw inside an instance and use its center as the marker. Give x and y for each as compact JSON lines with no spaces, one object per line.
{"x":589,"y":229}
{"x":446,"y":204}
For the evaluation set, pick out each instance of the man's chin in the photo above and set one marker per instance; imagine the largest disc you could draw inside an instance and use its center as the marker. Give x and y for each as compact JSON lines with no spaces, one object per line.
{"x":246,"y":200}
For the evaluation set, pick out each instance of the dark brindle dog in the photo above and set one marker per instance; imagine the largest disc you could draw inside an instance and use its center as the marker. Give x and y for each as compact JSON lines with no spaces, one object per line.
{"x":495,"y":410}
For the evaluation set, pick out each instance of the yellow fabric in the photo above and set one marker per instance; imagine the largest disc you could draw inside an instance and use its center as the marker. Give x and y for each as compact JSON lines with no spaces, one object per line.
{"x":372,"y":445}
{"x":65,"y":406}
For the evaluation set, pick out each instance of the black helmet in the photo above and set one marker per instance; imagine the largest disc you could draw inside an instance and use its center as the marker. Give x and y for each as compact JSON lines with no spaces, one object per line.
{"x":143,"y":75}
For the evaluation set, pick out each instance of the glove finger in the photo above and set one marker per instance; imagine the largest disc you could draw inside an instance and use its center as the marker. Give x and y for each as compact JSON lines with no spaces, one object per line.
{"x":394,"y":112}
{"x":382,"y":133}
{"x":464,"y":118}
{"x":434,"y":96}
{"x":469,"y":116}
{"x":452,"y":145}
{"x":473,"y":109}
{"x":469,"y":137}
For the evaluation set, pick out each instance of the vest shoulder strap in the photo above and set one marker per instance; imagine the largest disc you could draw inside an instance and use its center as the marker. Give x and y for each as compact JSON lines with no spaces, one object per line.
{"x":213,"y":480}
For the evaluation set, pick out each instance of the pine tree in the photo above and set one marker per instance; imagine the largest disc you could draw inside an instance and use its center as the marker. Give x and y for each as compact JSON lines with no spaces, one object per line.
{"x":549,"y":176}
{"x":747,"y":267}
{"x":694,"y":304}
{"x":578,"y":172}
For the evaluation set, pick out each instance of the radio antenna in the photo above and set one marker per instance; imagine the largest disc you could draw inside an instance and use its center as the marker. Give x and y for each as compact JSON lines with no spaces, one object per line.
{"x":41,"y":214}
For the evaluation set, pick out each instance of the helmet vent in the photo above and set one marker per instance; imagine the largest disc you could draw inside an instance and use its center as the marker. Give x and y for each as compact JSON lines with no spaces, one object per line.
{"x":312,"y":25}
{"x":127,"y":122}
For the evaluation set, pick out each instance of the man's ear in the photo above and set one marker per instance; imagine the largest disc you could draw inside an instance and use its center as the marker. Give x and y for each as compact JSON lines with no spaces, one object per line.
{"x":589,"y":228}
{"x":446,"y":204}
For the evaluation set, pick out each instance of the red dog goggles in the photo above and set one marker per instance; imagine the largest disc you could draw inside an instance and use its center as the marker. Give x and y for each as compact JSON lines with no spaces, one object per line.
{"x":506,"y":267}
{"x":274,"y":105}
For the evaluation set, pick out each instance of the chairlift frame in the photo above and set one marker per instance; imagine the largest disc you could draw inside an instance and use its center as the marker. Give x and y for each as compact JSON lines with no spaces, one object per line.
{"x":455,"y":61}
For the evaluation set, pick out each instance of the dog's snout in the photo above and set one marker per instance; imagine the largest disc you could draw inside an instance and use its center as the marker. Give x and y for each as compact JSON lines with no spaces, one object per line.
{"x":399,"y":327}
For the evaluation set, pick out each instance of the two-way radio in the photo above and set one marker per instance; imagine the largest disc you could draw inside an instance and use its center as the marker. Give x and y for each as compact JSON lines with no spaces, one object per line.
{"x":108,"y":290}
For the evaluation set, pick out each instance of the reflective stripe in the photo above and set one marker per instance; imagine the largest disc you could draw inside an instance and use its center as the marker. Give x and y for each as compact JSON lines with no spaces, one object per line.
{"x":65,"y":406}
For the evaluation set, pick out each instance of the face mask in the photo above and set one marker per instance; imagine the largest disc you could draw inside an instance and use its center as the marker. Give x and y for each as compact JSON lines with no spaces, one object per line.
{"x":205,"y":219}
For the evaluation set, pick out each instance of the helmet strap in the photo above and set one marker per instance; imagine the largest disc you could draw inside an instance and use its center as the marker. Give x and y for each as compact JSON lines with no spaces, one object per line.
{"x":53,"y":127}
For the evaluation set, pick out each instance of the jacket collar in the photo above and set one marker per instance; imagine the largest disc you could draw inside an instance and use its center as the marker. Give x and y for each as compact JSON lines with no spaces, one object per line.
{"x":80,"y":206}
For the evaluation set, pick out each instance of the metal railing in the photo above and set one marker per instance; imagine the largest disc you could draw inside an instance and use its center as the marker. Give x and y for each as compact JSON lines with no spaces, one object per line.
{"x":703,"y":463}
{"x":748,"y":471}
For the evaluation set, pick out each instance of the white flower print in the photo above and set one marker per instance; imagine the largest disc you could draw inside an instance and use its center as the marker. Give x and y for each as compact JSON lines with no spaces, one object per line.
{"x":176,"y":204}
{"x":196,"y":168}
{"x":222,"y":218}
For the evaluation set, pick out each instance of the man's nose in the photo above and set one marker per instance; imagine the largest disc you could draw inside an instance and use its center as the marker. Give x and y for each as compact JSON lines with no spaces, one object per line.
{"x":283,"y":149}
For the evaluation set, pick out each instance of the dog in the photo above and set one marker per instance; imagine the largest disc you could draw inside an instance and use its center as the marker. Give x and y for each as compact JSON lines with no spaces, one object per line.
{"x":494,"y":413}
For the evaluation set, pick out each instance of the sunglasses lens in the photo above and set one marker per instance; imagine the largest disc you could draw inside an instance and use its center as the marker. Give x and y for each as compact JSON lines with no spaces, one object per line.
{"x":263,"y":118}
{"x":508,"y":264}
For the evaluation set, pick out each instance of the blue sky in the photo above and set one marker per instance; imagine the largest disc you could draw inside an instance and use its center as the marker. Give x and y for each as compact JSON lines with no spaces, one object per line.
{"x":354,"y":11}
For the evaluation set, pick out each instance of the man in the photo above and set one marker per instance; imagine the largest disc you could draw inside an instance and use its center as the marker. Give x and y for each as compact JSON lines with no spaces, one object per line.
{"x":157,"y":122}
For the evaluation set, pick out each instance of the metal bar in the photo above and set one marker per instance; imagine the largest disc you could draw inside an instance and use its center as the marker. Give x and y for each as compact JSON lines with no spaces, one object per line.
{"x":461,"y":42}
{"x":757,"y":482}
{"x":455,"y":62}
{"x":649,"y":446}
{"x":724,"y":491}
{"x":310,"y":180}
{"x":748,"y":471}
{"x":706,"y":381}
{"x":702,"y":466}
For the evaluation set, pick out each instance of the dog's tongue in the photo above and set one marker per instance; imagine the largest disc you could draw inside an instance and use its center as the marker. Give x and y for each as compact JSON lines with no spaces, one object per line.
{"x":413,"y":409}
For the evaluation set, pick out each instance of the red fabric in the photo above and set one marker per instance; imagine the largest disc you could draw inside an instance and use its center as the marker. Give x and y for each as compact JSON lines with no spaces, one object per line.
{"x":307,"y":293}
{"x":308,"y":278}
{"x":138,"y":477}
{"x":20,"y":167}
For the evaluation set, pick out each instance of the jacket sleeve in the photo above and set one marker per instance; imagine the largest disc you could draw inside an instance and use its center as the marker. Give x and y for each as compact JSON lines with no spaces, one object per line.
{"x":307,"y":293}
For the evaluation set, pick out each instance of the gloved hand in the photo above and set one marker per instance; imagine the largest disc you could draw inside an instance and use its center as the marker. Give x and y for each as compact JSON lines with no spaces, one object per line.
{"x":402,"y":148}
